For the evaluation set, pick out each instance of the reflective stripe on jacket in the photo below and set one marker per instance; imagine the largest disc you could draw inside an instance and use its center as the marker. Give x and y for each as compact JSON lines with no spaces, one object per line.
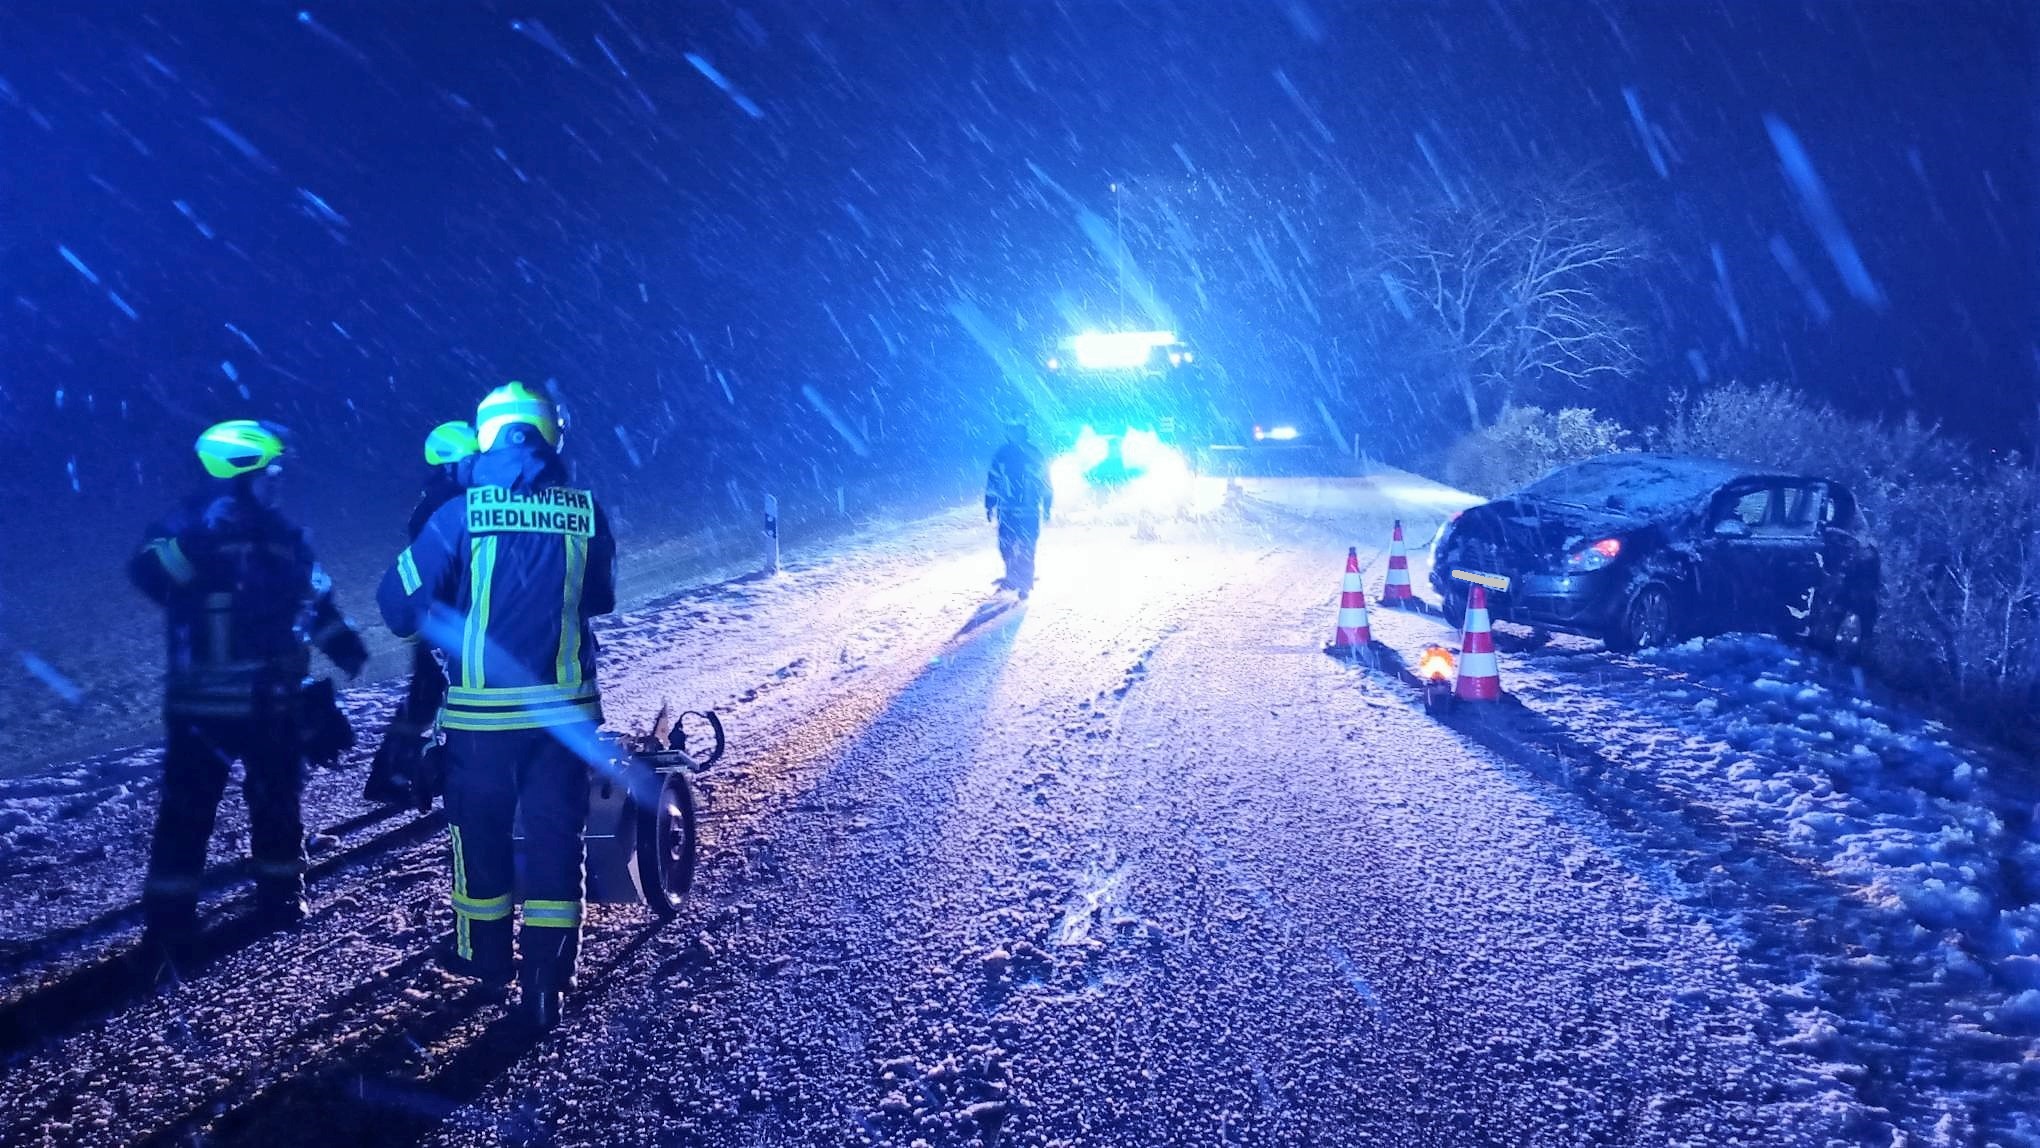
{"x":505,"y":580}
{"x":243,"y":600}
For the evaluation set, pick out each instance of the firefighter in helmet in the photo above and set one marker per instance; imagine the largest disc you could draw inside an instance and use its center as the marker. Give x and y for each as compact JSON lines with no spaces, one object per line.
{"x":245,"y":601}
{"x":399,"y":761}
{"x":1019,"y":498}
{"x":504,"y":581}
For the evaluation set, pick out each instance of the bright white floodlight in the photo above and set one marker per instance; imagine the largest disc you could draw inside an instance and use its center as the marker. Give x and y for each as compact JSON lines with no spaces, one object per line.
{"x":1110,"y":350}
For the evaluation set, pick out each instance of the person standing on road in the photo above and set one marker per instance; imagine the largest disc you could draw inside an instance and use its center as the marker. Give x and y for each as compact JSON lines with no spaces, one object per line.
{"x":399,"y":760}
{"x":245,"y":600}
{"x":505,"y":581}
{"x":1018,"y":497}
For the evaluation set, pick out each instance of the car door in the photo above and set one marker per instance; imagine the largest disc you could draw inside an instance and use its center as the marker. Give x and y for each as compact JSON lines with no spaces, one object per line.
{"x":1795,"y":565}
{"x":1736,"y":561}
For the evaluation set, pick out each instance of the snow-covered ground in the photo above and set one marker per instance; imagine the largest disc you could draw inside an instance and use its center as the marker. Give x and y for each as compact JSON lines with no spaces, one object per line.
{"x":1131,"y":863}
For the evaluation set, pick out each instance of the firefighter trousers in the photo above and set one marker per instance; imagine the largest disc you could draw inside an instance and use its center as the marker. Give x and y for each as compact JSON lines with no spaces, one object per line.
{"x":196,"y":765}
{"x":1017,"y":538}
{"x":498,"y":782}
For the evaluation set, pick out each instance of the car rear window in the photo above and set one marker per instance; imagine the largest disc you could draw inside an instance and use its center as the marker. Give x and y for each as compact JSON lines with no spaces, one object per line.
{"x":1633,"y":484}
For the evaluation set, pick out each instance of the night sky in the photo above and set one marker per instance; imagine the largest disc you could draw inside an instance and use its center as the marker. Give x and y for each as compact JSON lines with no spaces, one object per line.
{"x":739,"y":238}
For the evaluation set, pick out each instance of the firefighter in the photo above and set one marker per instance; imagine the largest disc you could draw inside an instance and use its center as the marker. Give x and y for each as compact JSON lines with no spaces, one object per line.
{"x":1019,"y":499}
{"x":504,"y":581}
{"x":399,"y":761}
{"x":244,"y":600}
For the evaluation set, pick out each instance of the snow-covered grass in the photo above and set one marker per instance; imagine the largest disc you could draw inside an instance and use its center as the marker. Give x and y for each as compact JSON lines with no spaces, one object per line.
{"x":1875,"y":868}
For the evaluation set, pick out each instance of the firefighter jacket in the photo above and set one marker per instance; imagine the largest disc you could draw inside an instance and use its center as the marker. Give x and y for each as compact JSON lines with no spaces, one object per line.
{"x":244,"y":601}
{"x":440,"y":489}
{"x":1017,"y":485}
{"x":505,"y":580}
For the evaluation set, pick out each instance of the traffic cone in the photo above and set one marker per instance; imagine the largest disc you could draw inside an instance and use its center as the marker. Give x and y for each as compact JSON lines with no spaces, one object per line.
{"x":1480,"y":678}
{"x":1353,"y":635}
{"x":1395,"y":591}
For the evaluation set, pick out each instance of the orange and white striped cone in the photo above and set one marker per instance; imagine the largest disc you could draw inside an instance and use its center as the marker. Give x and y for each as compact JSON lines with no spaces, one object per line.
{"x":1395,"y":591}
{"x":1354,"y":635}
{"x":1480,"y":676}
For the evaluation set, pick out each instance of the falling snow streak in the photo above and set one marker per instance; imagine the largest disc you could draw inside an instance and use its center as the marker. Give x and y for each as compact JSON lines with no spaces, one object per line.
{"x":322,"y":209}
{"x":47,"y":674}
{"x":114,"y":298}
{"x":993,"y":339}
{"x":1724,"y":293}
{"x":1397,"y":297}
{"x":611,"y":57}
{"x":240,"y":144}
{"x":1788,"y":261}
{"x":722,"y":82}
{"x":1645,"y":133}
{"x":821,"y":405}
{"x":331,"y":37}
{"x":184,"y":209}
{"x":1820,"y":213}
{"x":629,"y":448}
{"x":537,"y":33}
{"x":1309,"y":113}
{"x":1305,"y":21}
{"x":1437,"y":169}
{"x":243,"y":336}
{"x":72,"y":258}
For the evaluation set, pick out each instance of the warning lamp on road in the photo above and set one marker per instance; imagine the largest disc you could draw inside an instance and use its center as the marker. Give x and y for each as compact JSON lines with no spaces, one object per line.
{"x":1435,"y":665}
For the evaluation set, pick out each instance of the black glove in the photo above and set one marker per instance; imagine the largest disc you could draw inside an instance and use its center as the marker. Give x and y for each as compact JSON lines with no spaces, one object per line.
{"x":348,"y":651}
{"x":324,"y":733}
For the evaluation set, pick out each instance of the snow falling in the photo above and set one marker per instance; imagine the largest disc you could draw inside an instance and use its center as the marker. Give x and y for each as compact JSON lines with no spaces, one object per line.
{"x":1062,"y":804}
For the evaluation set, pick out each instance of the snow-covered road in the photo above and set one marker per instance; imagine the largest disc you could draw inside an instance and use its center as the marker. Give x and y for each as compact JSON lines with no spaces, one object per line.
{"x":1132,"y":863}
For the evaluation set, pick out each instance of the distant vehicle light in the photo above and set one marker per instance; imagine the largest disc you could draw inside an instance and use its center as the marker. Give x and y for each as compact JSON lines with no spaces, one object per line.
{"x":1110,"y":350}
{"x":1175,"y":358}
{"x":1594,"y":555}
{"x":1436,"y":664}
{"x":1188,"y":357}
{"x":1282,"y":434}
{"x":1054,"y":364}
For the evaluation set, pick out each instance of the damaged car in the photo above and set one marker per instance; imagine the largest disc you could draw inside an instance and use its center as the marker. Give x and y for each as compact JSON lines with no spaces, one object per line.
{"x":1644,"y":550}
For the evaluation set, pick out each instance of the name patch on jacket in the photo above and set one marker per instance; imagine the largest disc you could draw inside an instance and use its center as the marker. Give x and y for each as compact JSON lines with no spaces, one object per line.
{"x":555,"y":510}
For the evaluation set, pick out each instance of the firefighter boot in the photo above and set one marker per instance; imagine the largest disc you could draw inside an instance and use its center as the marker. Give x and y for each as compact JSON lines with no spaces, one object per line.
{"x":544,"y":973}
{"x":169,"y":943}
{"x":541,"y":995}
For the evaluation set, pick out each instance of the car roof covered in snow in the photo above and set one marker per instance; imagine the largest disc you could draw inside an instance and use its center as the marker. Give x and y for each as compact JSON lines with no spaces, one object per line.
{"x":1638,"y":484}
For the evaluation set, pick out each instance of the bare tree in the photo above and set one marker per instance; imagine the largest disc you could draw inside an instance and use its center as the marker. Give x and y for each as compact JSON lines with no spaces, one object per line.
{"x":1514,"y":292}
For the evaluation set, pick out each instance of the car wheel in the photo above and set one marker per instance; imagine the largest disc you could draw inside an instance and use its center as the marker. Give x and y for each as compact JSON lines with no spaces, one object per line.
{"x":1650,"y":619}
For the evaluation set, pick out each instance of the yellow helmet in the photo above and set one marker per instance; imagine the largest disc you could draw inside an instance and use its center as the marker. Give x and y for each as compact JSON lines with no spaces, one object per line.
{"x":449,"y":443}
{"x":237,"y":447}
{"x":514,"y":403}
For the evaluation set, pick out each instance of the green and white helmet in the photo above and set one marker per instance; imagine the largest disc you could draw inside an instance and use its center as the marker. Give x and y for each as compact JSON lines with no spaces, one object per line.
{"x":449,"y":443}
{"x":238,"y":447}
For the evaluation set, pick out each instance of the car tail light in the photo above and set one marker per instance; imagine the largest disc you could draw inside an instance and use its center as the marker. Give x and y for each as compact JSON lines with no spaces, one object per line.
{"x":1594,"y":555}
